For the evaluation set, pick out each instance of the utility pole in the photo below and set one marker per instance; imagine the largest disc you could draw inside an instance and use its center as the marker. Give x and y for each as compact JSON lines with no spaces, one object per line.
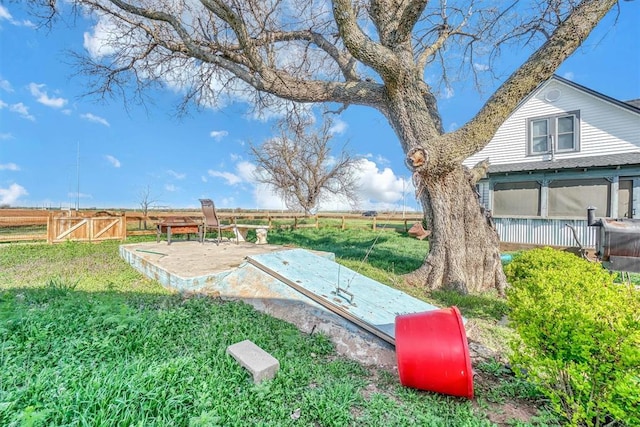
{"x":78,"y":179}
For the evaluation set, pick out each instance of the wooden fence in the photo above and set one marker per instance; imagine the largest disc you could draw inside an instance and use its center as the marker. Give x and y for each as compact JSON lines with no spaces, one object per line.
{"x":93,"y":226}
{"x":91,"y":229}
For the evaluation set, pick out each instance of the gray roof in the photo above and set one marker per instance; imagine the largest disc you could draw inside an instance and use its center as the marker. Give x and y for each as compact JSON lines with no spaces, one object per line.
{"x":609,"y":160}
{"x":634,"y":102}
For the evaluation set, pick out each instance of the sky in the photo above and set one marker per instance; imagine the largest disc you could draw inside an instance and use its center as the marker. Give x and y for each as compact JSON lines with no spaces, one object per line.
{"x":61,"y":149}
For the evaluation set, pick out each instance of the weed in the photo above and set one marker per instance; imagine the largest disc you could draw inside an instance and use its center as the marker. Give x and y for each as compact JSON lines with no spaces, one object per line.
{"x":57,"y":285}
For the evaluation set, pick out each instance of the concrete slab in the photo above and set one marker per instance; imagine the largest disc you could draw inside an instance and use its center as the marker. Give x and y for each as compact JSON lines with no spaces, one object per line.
{"x":185,"y":261}
{"x":222,"y":271}
{"x":369,"y":304}
{"x":261,"y":364}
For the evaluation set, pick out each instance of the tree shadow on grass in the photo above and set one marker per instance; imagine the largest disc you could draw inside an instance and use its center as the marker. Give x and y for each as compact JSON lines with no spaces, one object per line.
{"x":388,"y":251}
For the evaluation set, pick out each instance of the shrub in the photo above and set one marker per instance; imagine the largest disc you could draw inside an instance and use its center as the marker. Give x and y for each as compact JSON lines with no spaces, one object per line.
{"x":579,"y":335}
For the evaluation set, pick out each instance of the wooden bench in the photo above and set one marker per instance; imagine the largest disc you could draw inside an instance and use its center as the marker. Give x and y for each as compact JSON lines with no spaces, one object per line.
{"x":241,"y":230}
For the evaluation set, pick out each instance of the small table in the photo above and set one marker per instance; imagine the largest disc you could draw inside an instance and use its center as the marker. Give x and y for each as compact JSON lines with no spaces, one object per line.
{"x":178,"y":225}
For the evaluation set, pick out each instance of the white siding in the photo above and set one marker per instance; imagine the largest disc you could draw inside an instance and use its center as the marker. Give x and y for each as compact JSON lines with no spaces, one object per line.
{"x":605,"y":128}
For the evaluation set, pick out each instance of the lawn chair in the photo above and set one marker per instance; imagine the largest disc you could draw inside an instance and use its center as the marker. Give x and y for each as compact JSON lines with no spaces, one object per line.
{"x":211,"y":221}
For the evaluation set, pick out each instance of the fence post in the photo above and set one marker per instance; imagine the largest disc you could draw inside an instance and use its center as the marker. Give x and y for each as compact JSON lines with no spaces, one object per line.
{"x":295,"y":222}
{"x":374,"y":224}
{"x":344,"y":225}
{"x":50,"y":228}
{"x":123,"y":224}
{"x":317,"y":222}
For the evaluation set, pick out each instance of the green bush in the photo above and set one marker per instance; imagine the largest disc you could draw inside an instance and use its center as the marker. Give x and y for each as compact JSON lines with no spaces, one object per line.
{"x":579,"y":336}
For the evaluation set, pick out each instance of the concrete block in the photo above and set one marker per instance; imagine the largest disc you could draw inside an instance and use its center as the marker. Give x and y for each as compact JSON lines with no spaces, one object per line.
{"x":261,"y":364}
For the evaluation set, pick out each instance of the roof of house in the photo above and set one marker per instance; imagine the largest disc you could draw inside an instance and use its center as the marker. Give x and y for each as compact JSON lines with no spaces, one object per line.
{"x":634,"y":102}
{"x":632,"y":105}
{"x":623,"y":159}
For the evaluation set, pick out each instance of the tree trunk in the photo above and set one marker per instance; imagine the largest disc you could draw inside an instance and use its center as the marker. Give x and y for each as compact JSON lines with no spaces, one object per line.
{"x":464,"y":252}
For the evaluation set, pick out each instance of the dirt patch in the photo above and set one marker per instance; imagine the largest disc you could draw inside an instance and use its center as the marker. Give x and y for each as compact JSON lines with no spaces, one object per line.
{"x":505,"y":414}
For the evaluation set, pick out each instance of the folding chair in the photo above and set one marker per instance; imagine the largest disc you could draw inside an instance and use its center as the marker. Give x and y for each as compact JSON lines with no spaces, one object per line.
{"x":211,"y":221}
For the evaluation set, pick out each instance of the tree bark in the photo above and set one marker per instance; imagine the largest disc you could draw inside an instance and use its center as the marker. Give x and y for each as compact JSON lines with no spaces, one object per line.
{"x":465,"y":249}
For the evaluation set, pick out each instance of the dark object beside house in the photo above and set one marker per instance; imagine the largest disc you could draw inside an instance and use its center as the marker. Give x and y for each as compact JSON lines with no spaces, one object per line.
{"x":617,"y":242}
{"x":370,"y":213}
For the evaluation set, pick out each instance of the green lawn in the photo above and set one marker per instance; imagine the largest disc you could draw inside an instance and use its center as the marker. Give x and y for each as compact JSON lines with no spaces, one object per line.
{"x":87,"y":341}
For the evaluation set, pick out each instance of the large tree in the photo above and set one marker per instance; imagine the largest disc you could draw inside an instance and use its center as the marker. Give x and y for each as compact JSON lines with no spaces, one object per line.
{"x":298,"y":165}
{"x":375,"y":53}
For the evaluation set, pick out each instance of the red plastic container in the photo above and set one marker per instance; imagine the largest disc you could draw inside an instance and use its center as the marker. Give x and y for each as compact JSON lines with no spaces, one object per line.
{"x":433,"y":353}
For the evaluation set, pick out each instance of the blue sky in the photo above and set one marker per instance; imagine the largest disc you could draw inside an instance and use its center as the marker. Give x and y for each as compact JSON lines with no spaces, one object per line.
{"x":54,"y":141}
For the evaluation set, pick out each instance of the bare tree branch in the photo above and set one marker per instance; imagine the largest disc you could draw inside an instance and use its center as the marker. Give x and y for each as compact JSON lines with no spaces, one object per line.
{"x":566,"y":38}
{"x":299,"y":166}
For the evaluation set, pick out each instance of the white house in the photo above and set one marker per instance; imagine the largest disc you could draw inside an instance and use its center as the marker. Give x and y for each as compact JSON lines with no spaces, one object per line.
{"x":564,"y":148}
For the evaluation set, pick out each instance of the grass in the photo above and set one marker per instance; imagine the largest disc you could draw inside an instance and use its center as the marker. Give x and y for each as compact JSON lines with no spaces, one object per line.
{"x":87,"y":341}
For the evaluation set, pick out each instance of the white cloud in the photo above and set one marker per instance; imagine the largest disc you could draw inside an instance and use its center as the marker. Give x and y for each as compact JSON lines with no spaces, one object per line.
{"x":177,"y":175}
{"x":9,"y":196}
{"x":338,"y":127}
{"x":246,"y":171}
{"x":98,"y":42}
{"x":266,"y":198}
{"x":384,"y":186}
{"x":22,"y":110}
{"x":170,"y":188}
{"x":95,"y":119}
{"x":114,"y":162}
{"x":6,"y":16}
{"x":231,"y":178}
{"x":43,"y":98}
{"x":9,"y":167}
{"x":4,"y":13}
{"x":480,"y":67}
{"x":5,"y":85}
{"x":5,"y":136}
{"x":568,"y":75}
{"x":382,"y":160}
{"x":203,"y":178}
{"x":218,"y":134}
{"x":3,"y":104}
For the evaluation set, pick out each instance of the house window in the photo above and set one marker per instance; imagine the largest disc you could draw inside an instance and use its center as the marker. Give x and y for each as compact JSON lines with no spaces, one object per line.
{"x":557,"y":133}
{"x":570,"y":198}
{"x":516,"y":198}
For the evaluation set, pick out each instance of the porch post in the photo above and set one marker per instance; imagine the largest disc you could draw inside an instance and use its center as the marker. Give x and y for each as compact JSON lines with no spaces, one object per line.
{"x":544,"y":197}
{"x":614,"y":187}
{"x":635,"y":204}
